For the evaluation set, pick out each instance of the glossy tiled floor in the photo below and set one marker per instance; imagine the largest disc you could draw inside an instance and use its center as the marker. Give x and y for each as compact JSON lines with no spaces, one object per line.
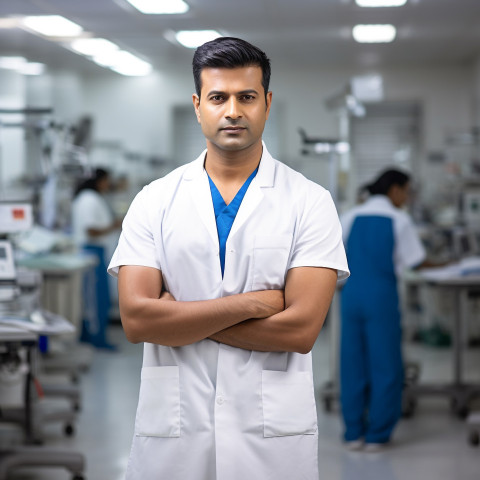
{"x":430,"y":446}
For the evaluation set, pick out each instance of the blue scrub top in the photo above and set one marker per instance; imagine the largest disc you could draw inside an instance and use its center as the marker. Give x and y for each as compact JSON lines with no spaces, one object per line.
{"x":225,"y":214}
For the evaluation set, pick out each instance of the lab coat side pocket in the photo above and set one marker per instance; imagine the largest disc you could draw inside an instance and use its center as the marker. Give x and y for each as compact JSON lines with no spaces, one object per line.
{"x":270,"y":259}
{"x":158,"y":412}
{"x":288,"y":404}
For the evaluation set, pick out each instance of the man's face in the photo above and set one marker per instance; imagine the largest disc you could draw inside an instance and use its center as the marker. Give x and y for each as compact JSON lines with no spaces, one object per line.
{"x":232,"y":110}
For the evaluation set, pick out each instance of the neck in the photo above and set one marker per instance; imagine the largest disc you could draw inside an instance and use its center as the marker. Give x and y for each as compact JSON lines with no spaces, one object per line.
{"x":232,"y":166}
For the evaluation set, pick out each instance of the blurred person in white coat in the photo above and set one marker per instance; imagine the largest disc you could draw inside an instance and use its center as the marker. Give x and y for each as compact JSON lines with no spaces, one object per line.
{"x":227,"y":267}
{"x":96,"y":230}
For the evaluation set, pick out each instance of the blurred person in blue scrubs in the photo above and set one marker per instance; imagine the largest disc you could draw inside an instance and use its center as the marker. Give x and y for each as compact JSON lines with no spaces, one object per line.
{"x":96,"y":230}
{"x":381,"y":241}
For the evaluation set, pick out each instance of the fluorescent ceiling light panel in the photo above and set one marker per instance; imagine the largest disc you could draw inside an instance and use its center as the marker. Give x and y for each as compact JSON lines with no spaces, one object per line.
{"x":374,"y":33}
{"x":9,"y":22}
{"x":195,"y":38}
{"x":12,"y":63}
{"x":160,"y":7}
{"x":53,"y":26}
{"x":32,"y":68}
{"x":111,"y":59}
{"x":93,"y":46}
{"x":124,"y":63}
{"x":380,"y":3}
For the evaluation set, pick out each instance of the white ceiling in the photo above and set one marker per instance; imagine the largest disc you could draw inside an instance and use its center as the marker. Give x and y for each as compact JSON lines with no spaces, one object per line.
{"x":294,"y":32}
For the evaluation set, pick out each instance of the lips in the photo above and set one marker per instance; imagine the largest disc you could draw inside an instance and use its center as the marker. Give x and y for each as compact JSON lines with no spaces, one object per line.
{"x":233,"y":129}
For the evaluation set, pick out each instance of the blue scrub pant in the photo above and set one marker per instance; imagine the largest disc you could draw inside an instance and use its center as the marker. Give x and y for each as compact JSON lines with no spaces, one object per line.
{"x":371,"y":367}
{"x":94,"y":329}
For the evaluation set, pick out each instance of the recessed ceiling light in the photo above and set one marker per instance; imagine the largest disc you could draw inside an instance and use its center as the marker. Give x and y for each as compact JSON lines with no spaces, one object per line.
{"x":21,"y":65}
{"x":32,"y":68}
{"x":195,"y":38}
{"x":380,"y":3}
{"x":9,"y":22}
{"x":93,"y":46}
{"x":160,"y":7}
{"x":53,"y":26}
{"x":12,"y":63}
{"x":374,"y":33}
{"x":123,"y":62}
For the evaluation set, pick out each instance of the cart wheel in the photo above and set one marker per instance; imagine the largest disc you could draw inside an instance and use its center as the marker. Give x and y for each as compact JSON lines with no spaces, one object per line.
{"x":69,"y":430}
{"x":474,"y":438}
{"x":78,"y":477}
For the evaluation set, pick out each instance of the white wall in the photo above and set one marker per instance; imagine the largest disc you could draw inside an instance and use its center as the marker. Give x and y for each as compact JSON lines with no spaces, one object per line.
{"x":12,"y":159}
{"x":135,"y":113}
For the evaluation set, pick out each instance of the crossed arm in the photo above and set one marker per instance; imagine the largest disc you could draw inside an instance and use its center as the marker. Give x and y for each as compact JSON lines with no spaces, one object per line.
{"x":267,"y":320}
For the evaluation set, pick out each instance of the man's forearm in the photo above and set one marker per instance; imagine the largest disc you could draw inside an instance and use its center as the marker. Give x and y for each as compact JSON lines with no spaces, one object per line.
{"x":283,"y":332}
{"x":172,"y":323}
{"x":308,"y":294}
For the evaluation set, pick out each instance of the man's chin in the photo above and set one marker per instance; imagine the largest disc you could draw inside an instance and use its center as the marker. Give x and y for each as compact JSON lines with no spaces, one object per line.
{"x":233,"y":145}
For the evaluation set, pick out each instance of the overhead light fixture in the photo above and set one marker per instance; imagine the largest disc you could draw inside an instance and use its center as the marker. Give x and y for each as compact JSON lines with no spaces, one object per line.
{"x":124,"y":62}
{"x":32,"y":68}
{"x":9,"y":22}
{"x":380,"y":3}
{"x":93,"y":46}
{"x":21,"y":65}
{"x":52,"y":26}
{"x":195,"y":38}
{"x":12,"y":63}
{"x":160,"y":7}
{"x":374,"y":33}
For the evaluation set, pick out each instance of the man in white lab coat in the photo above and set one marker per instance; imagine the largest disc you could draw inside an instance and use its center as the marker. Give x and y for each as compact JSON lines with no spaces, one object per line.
{"x":227,"y":267}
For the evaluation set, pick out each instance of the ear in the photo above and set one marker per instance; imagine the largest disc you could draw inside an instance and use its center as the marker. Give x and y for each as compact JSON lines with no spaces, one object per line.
{"x":196,"y":105}
{"x":268,"y":100}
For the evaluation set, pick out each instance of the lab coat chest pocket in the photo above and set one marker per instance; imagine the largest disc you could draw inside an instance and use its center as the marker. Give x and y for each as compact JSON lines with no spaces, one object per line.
{"x":158,"y":413}
{"x":288,"y":404}
{"x":270,"y":259}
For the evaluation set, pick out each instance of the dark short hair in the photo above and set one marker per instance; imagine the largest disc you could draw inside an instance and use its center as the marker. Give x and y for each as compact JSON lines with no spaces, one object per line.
{"x":229,"y":52}
{"x":386,"y":180}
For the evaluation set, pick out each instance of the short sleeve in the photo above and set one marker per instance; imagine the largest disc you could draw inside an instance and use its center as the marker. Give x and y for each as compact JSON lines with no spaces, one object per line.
{"x":136,"y":245}
{"x":318,"y":239}
{"x":409,"y":249}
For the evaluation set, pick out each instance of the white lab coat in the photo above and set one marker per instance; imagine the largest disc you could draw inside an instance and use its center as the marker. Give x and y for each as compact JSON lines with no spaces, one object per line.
{"x":91,"y":210}
{"x":208,"y":411}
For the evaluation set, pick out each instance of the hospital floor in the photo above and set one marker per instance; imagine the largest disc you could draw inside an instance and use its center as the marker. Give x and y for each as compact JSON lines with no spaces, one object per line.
{"x":432,"y":445}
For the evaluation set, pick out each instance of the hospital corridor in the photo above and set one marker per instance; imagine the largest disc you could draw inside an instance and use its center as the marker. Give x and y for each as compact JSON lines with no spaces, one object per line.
{"x":239,"y":240}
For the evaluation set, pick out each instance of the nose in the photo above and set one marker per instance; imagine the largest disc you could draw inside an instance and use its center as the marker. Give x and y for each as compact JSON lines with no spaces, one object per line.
{"x":232,"y":108}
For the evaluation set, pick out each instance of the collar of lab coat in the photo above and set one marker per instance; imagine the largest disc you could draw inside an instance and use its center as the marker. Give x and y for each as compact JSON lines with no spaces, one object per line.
{"x":199,"y":189}
{"x":264,"y":178}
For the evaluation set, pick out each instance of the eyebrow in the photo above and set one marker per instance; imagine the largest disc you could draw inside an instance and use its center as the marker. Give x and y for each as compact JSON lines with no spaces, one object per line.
{"x":243,"y":92}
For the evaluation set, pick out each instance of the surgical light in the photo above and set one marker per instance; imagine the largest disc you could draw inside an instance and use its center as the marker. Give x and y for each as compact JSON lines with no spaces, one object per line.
{"x":52,"y":26}
{"x":160,"y":7}
{"x":380,"y":3}
{"x":195,"y":38}
{"x":374,"y":33}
